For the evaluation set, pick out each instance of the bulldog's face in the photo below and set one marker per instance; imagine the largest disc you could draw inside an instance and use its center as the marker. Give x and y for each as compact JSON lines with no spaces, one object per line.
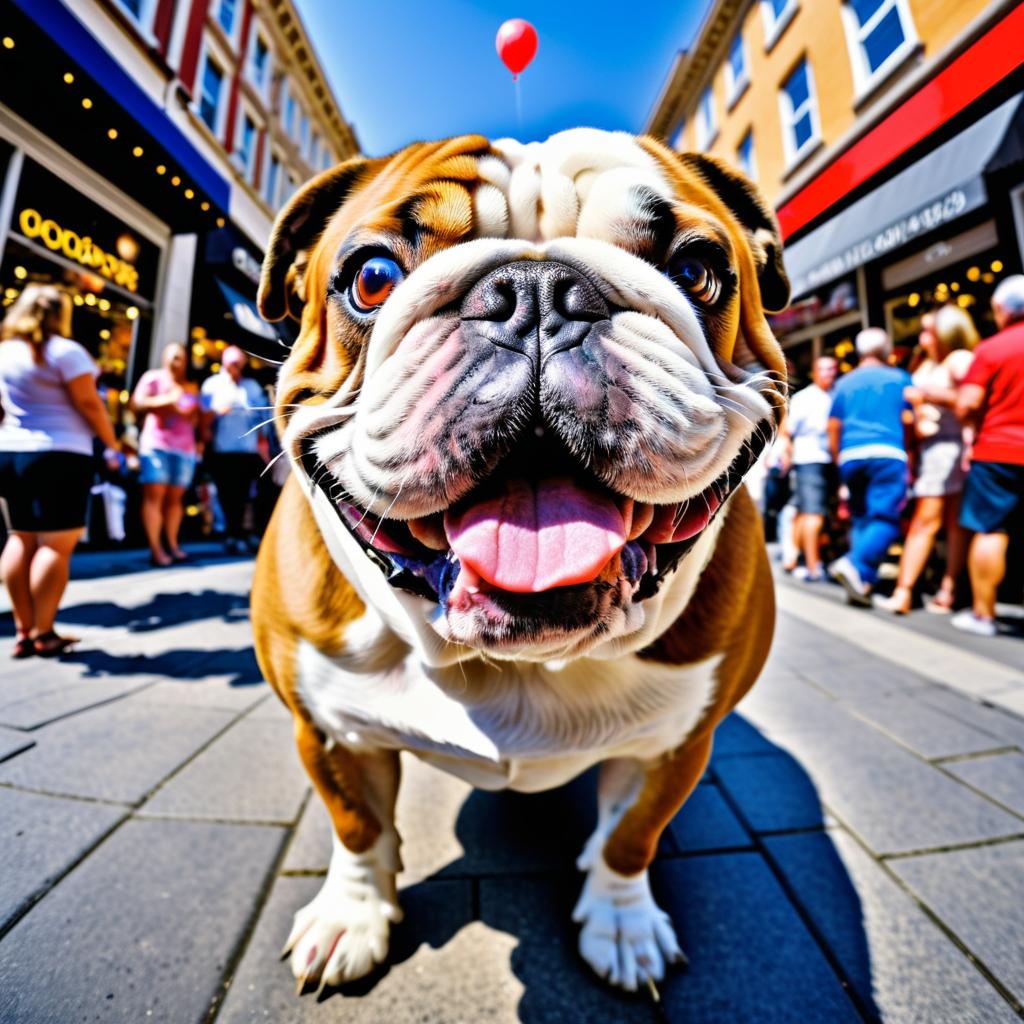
{"x":527,"y":377}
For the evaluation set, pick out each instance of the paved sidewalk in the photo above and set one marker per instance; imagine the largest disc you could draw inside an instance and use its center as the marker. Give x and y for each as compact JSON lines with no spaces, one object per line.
{"x":856,"y":851}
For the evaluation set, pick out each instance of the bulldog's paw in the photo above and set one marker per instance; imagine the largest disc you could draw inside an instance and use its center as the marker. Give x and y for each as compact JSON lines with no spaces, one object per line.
{"x":626,"y":937}
{"x":343,"y":933}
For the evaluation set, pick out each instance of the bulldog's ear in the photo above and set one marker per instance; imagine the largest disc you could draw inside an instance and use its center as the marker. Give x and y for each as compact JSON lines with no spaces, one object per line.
{"x":296,"y":230}
{"x":748,"y":206}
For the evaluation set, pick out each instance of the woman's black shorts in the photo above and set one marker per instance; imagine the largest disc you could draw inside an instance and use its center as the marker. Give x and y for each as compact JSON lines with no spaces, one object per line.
{"x":46,"y":491}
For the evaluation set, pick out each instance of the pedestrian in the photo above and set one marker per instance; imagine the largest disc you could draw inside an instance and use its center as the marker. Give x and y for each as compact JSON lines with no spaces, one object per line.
{"x":991,"y":400}
{"x":167,"y":451}
{"x":807,"y":449}
{"x":234,"y":411}
{"x":51,"y":413}
{"x":947,"y":341}
{"x":868,"y":427}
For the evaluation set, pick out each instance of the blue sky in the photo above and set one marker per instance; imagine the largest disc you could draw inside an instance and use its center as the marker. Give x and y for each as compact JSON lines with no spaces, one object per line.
{"x":405,"y":70}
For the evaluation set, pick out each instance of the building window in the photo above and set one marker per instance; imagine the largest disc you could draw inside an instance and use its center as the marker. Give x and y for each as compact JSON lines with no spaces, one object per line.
{"x":745,"y":156}
{"x":800,"y":129}
{"x":209,"y":96}
{"x":246,"y":146}
{"x":776,"y":14}
{"x":881,"y":36}
{"x":141,"y":12}
{"x":259,"y":63}
{"x":271,"y":185}
{"x":303,"y":134}
{"x":226,"y":16}
{"x":327,"y":159}
{"x":706,"y":130}
{"x":314,"y":152}
{"x":736,"y":76}
{"x":288,"y":111}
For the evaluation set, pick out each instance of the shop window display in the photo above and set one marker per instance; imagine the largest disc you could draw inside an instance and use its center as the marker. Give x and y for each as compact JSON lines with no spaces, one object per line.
{"x":968,"y":284}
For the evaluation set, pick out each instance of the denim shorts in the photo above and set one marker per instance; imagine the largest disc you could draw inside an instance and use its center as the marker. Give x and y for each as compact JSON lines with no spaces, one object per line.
{"x":993,"y":499}
{"x":815,"y":486}
{"x":173,"y":469}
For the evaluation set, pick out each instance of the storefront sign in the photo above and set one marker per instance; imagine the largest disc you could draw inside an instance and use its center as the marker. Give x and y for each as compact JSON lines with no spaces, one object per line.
{"x":246,"y":264}
{"x":79,"y":248}
{"x":951,"y":250}
{"x":925,"y":219}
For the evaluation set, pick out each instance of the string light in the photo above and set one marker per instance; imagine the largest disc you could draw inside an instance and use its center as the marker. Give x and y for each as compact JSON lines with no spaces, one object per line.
{"x":105,"y":333}
{"x":137,"y":151}
{"x":111,"y":133}
{"x":104,"y":304}
{"x":90,"y":299}
{"x":20,"y":273}
{"x":189,"y":193}
{"x":161,"y":169}
{"x":204,"y":206}
{"x":68,"y":77}
{"x":87,"y":103}
{"x":220,"y":222}
{"x":78,"y":300}
{"x":996,"y":266}
{"x":175,"y":181}
{"x":132,"y":312}
{"x":8,"y":43}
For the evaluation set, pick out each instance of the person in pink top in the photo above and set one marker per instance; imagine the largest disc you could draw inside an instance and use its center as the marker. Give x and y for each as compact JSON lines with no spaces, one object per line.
{"x":167,"y":450}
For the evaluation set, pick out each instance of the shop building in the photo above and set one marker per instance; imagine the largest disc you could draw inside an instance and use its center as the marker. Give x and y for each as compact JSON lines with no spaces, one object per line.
{"x":140,"y":140}
{"x":888,"y":135}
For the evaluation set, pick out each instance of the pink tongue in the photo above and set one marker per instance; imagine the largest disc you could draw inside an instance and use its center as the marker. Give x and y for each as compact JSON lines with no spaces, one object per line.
{"x":538,"y":535}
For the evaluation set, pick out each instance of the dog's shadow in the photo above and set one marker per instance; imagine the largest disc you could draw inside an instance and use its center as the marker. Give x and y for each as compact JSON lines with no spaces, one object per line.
{"x":772,"y":924}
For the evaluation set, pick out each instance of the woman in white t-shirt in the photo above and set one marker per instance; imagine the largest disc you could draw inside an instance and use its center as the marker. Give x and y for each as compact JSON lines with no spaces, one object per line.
{"x":51,"y":412}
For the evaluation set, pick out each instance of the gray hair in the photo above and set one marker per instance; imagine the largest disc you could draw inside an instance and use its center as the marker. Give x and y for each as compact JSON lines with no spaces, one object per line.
{"x":1009,"y":297}
{"x":873,"y":341}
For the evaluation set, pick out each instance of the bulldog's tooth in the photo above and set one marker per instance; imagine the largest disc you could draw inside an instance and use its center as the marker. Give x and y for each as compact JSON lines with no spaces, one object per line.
{"x":643,"y":516}
{"x":429,"y":531}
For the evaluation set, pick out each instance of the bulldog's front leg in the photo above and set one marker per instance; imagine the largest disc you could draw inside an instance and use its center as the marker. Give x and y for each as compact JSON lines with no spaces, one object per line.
{"x":626,"y":937}
{"x":343,"y":933}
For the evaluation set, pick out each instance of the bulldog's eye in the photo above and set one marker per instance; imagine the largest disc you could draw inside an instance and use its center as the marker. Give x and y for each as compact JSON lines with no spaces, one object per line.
{"x":696,"y":278}
{"x":374,"y":281}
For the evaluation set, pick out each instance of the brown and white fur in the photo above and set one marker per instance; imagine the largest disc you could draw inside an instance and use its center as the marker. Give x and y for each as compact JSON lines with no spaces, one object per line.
{"x":402,"y":414}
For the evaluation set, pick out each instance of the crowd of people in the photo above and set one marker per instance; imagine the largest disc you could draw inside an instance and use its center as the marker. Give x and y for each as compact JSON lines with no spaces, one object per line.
{"x":948,"y":434}
{"x":54,"y":426}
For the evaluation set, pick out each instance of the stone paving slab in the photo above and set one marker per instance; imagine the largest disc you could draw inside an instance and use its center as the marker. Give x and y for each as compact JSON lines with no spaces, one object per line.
{"x":30,"y":712}
{"x":116,"y":752}
{"x":250,"y":774}
{"x":13,"y":741}
{"x":1000,"y":777}
{"x":896,"y":959}
{"x":41,"y":837}
{"x":995,"y":721}
{"x":773,"y":793}
{"x":176,"y":899}
{"x":878,"y":789}
{"x":977,"y":895}
{"x":443,"y":969}
{"x":706,"y":822}
{"x":217,"y":692}
{"x":927,"y":731}
{"x":751,"y":958}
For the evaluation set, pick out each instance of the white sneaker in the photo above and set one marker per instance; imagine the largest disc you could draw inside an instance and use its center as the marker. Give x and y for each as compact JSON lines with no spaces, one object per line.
{"x":802,"y":573}
{"x":968,"y":622}
{"x":845,"y":572}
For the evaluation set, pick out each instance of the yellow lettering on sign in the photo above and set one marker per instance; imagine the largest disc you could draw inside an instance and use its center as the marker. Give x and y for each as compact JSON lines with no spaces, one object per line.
{"x":79,"y":248}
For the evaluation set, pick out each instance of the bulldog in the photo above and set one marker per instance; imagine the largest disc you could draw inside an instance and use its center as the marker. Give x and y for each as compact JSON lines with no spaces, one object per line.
{"x":528,"y":382}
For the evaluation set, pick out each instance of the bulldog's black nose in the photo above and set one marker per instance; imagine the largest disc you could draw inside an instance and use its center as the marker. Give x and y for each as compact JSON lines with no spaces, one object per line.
{"x":536,"y":308}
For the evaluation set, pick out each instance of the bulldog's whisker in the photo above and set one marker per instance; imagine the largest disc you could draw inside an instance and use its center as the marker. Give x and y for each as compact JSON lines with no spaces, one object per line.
{"x":267,"y":467}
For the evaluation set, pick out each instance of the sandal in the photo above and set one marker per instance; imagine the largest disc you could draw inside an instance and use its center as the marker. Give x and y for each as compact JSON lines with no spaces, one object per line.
{"x":940,"y":603}
{"x":23,"y":647}
{"x":50,"y":645}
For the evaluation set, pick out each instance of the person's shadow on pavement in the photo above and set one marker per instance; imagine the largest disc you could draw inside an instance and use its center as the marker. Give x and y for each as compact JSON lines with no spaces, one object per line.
{"x":758,"y":951}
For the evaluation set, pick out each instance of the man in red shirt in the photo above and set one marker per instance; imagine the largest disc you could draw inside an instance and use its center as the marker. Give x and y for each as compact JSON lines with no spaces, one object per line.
{"x":992,"y":398}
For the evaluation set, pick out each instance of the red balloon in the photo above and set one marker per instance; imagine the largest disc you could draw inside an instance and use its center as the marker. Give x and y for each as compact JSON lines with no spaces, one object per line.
{"x":516,"y":44}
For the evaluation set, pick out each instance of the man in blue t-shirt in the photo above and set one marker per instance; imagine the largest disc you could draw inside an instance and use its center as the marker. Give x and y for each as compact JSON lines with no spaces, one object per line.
{"x":868,"y":428}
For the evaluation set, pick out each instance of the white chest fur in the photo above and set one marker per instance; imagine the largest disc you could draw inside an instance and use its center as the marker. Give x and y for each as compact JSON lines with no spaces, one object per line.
{"x":524,"y":726}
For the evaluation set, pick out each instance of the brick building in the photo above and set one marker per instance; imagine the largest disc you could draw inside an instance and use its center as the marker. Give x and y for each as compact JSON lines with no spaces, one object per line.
{"x":145,"y":146}
{"x":888,"y":135}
